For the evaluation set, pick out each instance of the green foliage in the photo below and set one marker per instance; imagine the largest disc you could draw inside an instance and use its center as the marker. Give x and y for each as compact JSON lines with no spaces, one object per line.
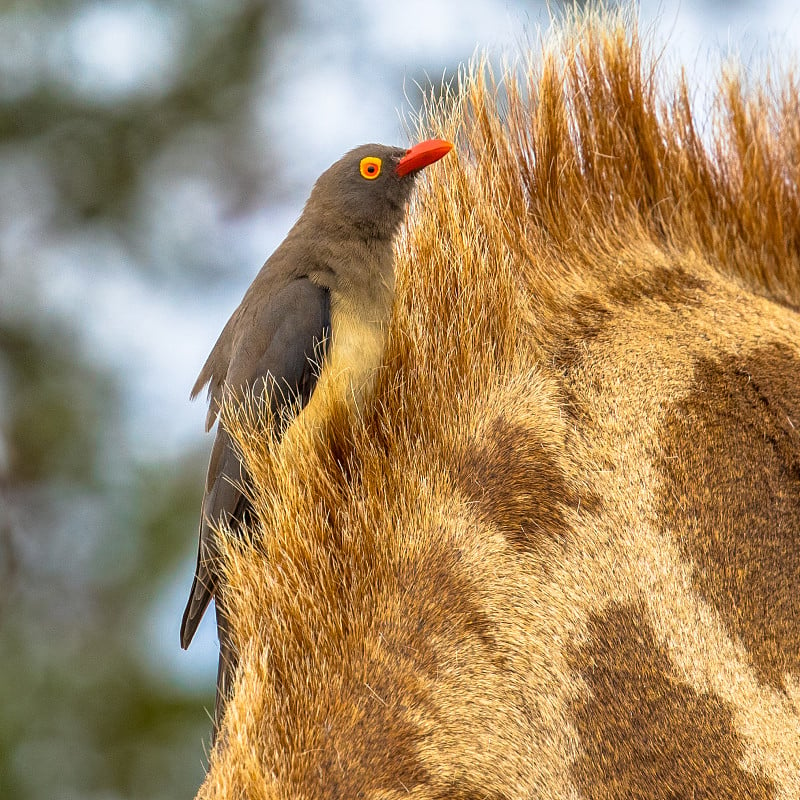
{"x":83,"y":711}
{"x":59,"y":406}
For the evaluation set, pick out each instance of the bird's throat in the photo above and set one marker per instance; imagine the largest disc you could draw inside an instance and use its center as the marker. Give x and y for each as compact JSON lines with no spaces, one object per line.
{"x":359,"y":327}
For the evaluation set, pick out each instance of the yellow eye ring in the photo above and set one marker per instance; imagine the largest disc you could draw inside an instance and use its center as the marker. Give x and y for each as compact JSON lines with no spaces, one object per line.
{"x":370,"y":167}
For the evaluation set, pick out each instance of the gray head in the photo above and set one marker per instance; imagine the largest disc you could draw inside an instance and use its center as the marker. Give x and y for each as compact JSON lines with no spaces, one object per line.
{"x":369,"y":187}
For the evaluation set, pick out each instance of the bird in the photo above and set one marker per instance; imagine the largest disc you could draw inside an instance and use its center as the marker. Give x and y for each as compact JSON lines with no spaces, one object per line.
{"x":311,"y":326}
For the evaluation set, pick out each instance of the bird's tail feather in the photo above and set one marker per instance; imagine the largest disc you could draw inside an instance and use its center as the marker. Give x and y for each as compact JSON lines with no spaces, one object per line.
{"x":199,"y":598}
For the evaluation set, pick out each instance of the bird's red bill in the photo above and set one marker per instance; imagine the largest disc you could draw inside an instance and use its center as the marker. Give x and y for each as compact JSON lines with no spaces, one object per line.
{"x":423,"y":154}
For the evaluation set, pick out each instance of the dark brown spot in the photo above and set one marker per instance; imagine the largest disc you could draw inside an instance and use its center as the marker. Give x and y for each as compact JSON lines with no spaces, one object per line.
{"x":367,"y":746}
{"x":464,"y":793}
{"x":731,"y":497}
{"x":587,"y":315}
{"x":446,"y":606}
{"x":516,"y":484}
{"x":645,"y":733}
{"x":675,"y":287}
{"x":422,"y":611}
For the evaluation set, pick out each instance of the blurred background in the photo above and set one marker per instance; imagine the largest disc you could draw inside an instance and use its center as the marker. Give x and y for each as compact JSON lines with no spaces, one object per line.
{"x":152,"y":154}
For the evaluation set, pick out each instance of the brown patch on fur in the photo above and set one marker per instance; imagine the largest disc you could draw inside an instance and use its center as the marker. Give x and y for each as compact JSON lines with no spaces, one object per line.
{"x":394,"y":626}
{"x":448,"y":606}
{"x":674,"y":287}
{"x":460,"y":793}
{"x":380,"y":751}
{"x":588,"y":315}
{"x":518,"y":486}
{"x":731,"y":498}
{"x":644,"y":732}
{"x":585,"y":317}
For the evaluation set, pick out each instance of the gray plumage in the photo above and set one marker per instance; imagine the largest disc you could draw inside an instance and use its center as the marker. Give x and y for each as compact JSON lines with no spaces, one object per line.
{"x":317,"y":311}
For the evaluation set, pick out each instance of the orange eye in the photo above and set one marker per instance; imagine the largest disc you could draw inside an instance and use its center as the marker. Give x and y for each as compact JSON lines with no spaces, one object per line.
{"x":370,"y":167}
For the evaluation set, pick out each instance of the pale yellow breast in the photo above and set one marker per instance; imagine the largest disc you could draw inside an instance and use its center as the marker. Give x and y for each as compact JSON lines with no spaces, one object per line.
{"x":351,"y":364}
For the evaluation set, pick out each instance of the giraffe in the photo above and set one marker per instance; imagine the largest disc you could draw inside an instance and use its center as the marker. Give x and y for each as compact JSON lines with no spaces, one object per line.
{"x":558,"y":553}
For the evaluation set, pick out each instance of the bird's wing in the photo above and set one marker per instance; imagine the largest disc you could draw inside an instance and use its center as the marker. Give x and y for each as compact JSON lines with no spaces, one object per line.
{"x":215,"y":370}
{"x":283,"y":343}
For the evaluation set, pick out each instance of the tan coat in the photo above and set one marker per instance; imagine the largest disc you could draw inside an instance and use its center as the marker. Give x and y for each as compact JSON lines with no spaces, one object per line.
{"x":558,"y":555}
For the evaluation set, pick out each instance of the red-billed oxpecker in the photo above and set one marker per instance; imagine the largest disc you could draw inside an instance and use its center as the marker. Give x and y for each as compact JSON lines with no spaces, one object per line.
{"x":313,"y":321}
